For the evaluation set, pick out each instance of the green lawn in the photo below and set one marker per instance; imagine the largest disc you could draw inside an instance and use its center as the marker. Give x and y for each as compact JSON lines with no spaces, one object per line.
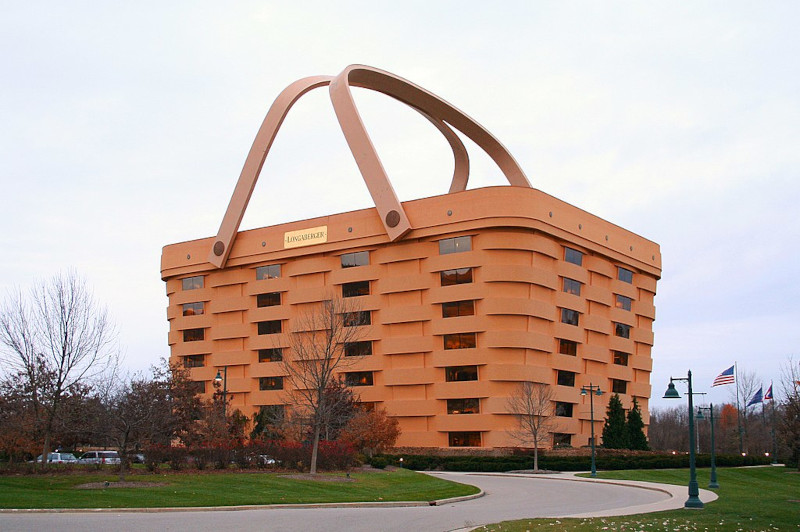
{"x":763,"y":498}
{"x":220,"y":489}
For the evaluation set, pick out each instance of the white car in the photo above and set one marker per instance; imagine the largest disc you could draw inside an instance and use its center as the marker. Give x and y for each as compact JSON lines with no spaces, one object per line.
{"x":100,"y":457}
{"x":59,"y":458}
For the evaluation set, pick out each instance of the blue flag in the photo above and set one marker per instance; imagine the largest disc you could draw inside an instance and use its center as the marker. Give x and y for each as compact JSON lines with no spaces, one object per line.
{"x":757,"y":398}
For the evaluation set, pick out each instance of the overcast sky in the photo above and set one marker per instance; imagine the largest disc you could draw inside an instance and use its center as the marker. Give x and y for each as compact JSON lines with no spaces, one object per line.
{"x":124,"y":126}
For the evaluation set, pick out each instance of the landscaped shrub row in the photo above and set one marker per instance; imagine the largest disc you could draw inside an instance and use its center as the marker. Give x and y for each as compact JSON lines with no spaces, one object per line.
{"x":265,"y":454}
{"x":560,"y":463}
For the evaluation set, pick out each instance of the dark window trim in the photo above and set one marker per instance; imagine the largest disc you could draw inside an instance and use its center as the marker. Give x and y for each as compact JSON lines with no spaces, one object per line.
{"x":465,"y":340}
{"x":269,"y":327}
{"x":269,"y":384}
{"x":571,"y":350}
{"x":455,"y":309}
{"x":274,"y":354}
{"x":456,"y":371}
{"x":354,"y":259}
{"x":358,"y":349}
{"x":359,"y":378}
{"x":356,"y":289}
{"x":195,"y":282}
{"x":625,"y":275}
{"x":623,"y":302}
{"x":456,"y":276}
{"x":573,"y":256}
{"x":464,"y":406}
{"x":456,"y":244}
{"x":269,"y":299}
{"x":268,"y":271}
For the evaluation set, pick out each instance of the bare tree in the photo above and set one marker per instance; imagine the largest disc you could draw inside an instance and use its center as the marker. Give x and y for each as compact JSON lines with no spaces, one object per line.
{"x":317,"y":354}
{"x":56,"y":338}
{"x":790,"y":422}
{"x":532,"y":404}
{"x":746,"y":386}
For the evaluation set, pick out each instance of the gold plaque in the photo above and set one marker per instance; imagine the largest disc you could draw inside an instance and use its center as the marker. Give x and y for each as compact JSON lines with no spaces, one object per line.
{"x":305,"y":237}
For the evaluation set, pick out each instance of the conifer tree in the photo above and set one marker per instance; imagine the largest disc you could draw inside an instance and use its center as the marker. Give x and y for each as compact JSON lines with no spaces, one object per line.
{"x":614,"y":430}
{"x":635,"y":429}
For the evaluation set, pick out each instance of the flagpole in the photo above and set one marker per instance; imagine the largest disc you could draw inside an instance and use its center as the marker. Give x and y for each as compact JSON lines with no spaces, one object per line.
{"x":763,"y":415}
{"x":774,"y":440}
{"x":738,"y":409}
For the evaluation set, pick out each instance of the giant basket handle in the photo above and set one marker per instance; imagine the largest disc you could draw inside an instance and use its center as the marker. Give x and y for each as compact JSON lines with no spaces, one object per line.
{"x":391,"y":211}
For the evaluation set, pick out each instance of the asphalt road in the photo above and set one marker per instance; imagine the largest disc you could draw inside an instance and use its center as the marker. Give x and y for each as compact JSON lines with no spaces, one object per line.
{"x":506,"y":497}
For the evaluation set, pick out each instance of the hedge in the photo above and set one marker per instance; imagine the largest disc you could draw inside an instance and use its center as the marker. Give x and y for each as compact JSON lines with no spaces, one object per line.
{"x":560,"y":463}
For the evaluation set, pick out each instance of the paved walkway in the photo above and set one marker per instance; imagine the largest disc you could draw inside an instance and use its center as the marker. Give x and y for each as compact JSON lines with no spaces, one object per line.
{"x":506,"y":496}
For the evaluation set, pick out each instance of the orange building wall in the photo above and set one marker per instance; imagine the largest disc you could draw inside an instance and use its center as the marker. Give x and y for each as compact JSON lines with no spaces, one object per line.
{"x":518,"y":239}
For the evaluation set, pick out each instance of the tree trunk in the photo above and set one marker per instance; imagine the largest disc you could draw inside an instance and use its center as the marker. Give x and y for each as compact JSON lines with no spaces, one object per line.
{"x":45,"y":449}
{"x":536,"y":454}
{"x":315,"y":449}
{"x":123,"y":457}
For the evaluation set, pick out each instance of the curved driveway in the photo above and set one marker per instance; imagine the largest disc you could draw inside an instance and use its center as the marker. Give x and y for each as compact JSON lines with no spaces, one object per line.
{"x":507,"y":496}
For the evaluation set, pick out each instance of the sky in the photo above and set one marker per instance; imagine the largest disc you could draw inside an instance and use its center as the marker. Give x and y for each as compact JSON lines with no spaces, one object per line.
{"x":124,"y":126}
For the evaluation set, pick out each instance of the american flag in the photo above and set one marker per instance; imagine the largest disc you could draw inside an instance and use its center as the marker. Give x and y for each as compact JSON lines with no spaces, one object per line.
{"x":726,"y":377}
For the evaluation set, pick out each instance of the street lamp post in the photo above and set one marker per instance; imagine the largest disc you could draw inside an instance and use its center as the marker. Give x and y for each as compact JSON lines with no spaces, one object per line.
{"x":694,"y":491}
{"x":592,"y":390}
{"x":710,"y":409}
{"x":224,"y":380}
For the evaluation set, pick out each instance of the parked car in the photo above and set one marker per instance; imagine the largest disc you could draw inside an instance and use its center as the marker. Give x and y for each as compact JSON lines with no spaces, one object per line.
{"x":137,"y":458}
{"x":59,"y":458}
{"x":100,"y":457}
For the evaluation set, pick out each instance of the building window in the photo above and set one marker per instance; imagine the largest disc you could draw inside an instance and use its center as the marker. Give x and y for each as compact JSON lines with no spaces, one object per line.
{"x":193,"y":309}
{"x":194,"y":335}
{"x":460,"y":341}
{"x":571,"y":286}
{"x":269,"y":327}
{"x":563,"y":409}
{"x":270,"y":383}
{"x":268,"y":300}
{"x":193,"y":283}
{"x":570,"y":317}
{"x":357,"y":349}
{"x":619,"y":386}
{"x":194,"y":361}
{"x":464,"y":439}
{"x":358,"y":288}
{"x":355,"y":319}
{"x":574,"y":256}
{"x":624,"y":275}
{"x":623,"y":302}
{"x":455,"y":245}
{"x":565,"y":378}
{"x":458,"y":276}
{"x":562,"y":440}
{"x":197,"y":387}
{"x":358,"y":258}
{"x":454,"y":309}
{"x":620,"y":358}
{"x":567,"y":347}
{"x":270,"y":355}
{"x":272,"y":414}
{"x":461,"y":373}
{"x":463,"y":406}
{"x":367,"y":406}
{"x":358,"y":378}
{"x":622,"y":330}
{"x":273,"y":271}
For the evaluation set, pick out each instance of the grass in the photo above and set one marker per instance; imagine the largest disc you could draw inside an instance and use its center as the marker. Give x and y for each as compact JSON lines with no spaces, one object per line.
{"x":220,"y":489}
{"x":763,"y":498}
